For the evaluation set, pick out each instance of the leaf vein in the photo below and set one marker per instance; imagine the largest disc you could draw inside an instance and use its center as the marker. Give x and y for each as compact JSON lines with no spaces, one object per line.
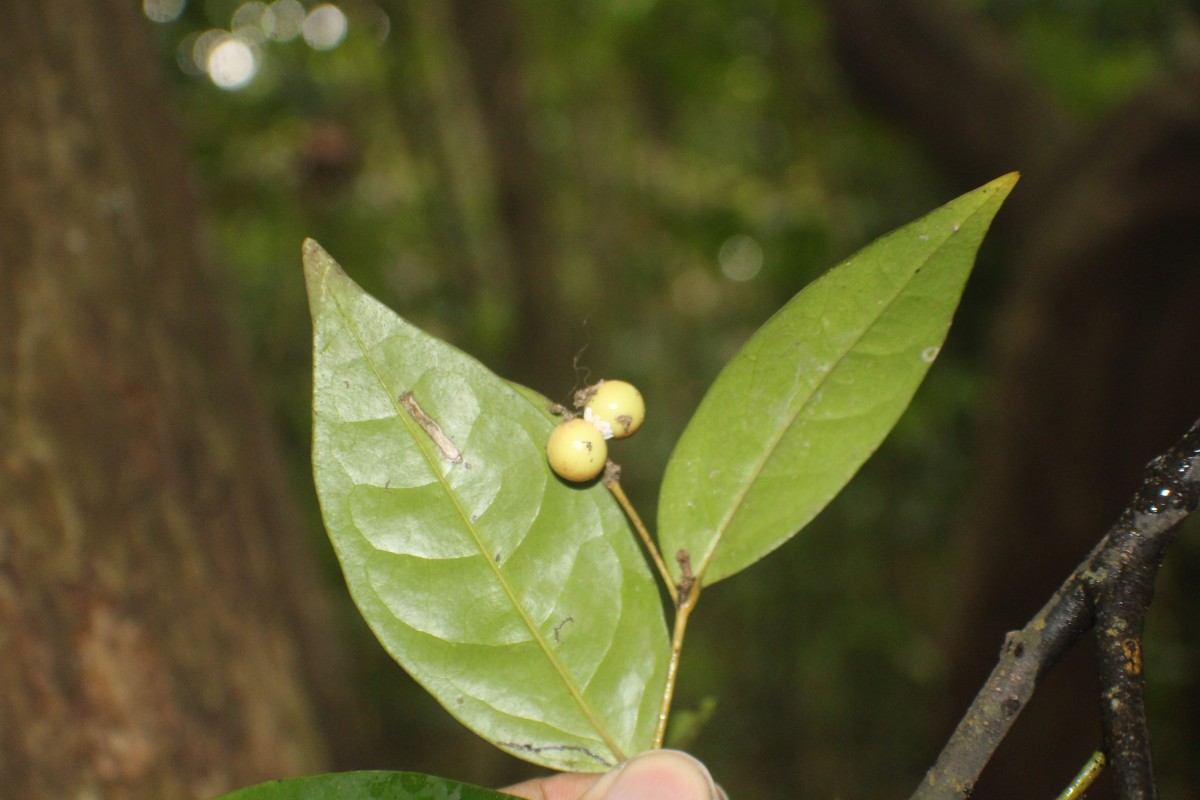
{"x":514,"y":599}
{"x":738,"y":504}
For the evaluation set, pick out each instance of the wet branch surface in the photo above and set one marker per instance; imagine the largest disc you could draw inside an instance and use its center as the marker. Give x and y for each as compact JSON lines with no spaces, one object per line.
{"x":1110,"y":591}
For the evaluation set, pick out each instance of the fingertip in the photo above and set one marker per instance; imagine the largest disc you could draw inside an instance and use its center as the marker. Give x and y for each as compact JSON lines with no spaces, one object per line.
{"x":661,"y":775}
{"x":564,"y":786}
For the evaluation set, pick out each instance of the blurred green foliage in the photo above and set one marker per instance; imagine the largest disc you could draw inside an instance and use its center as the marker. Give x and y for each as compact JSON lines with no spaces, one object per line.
{"x":661,"y":129}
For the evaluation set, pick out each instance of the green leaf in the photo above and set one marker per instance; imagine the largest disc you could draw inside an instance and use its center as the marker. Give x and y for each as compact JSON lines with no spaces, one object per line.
{"x":688,"y":723}
{"x":522,"y":603}
{"x":814,"y":392}
{"x":364,"y":786}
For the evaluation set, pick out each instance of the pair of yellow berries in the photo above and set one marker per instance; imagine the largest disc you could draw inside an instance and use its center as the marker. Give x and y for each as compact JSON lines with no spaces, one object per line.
{"x":577,"y":449}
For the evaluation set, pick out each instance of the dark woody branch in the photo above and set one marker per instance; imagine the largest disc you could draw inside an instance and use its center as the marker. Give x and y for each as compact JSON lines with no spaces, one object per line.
{"x":1110,"y":590}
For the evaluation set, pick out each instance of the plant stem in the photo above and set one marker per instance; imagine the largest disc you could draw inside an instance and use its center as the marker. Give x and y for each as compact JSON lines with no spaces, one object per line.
{"x":1085,"y":778}
{"x":1113,"y":584}
{"x":683,"y":596}
{"x":683,"y":610}
{"x":614,"y":486}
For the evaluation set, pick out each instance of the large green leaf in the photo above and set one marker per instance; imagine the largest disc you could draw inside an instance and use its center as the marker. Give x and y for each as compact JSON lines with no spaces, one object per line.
{"x":523,"y":604}
{"x":366,"y":786}
{"x":814,"y":392}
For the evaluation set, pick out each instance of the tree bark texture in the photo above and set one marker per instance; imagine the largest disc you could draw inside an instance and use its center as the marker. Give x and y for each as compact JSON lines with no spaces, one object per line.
{"x":151,"y":640}
{"x":1095,"y":341}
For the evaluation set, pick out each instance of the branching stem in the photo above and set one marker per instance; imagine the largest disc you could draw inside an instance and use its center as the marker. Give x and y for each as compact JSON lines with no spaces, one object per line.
{"x":1111,"y":590}
{"x":688,"y":592}
{"x":683,"y":595}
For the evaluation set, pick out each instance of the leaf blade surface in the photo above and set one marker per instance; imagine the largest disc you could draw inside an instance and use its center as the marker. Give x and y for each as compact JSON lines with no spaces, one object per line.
{"x":816,"y":389}
{"x":521,"y":603}
{"x":377,"y":785}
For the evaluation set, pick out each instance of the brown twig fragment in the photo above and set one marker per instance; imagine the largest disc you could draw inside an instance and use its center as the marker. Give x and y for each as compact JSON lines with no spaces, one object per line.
{"x":431,"y":428}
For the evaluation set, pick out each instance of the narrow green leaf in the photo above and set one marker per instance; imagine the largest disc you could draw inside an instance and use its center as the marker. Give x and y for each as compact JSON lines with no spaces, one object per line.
{"x":523,"y":604}
{"x":814,"y":392}
{"x":364,"y":786}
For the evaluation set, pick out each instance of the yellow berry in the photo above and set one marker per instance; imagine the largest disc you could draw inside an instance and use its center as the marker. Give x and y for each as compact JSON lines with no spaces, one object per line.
{"x":577,"y":450}
{"x":619,"y":406}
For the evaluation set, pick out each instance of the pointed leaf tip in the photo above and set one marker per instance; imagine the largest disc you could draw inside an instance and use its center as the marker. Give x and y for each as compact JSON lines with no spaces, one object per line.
{"x":319,"y":267}
{"x":1004,"y":184}
{"x":313,"y":256}
{"x":814,"y":392}
{"x":312,"y":253}
{"x":522,"y":604}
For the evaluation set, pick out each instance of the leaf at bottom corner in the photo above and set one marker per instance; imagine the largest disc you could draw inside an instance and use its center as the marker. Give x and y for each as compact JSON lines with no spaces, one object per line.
{"x":369,"y":785}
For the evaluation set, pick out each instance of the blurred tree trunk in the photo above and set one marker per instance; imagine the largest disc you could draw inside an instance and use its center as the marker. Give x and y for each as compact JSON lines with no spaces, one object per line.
{"x":1095,"y":347}
{"x":489,"y":32}
{"x":1095,"y":374}
{"x":467,"y":109}
{"x":160,"y":621}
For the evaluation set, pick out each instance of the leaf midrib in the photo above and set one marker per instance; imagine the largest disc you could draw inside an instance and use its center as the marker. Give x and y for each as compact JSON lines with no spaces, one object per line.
{"x":434,"y":463}
{"x":739,"y":504}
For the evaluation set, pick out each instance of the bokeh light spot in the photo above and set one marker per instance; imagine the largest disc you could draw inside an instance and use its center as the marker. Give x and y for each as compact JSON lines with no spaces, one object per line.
{"x":203,"y":45}
{"x":740,"y":257}
{"x":163,"y":10}
{"x":185,"y":55}
{"x":252,"y":22}
{"x":287,"y":18}
{"x":325,"y":27}
{"x":231,"y":63}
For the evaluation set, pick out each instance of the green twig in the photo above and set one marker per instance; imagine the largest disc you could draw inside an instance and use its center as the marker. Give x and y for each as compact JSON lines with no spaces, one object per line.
{"x":1091,"y":770}
{"x":614,"y":485}
{"x":689,"y":592}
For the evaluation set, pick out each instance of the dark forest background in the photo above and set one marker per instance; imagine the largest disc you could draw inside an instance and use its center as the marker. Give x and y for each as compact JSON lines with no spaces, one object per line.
{"x":565,"y":189}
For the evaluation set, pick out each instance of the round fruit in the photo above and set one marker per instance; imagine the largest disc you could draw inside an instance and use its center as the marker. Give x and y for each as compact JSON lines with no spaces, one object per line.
{"x":618,"y":405}
{"x":577,"y":450}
